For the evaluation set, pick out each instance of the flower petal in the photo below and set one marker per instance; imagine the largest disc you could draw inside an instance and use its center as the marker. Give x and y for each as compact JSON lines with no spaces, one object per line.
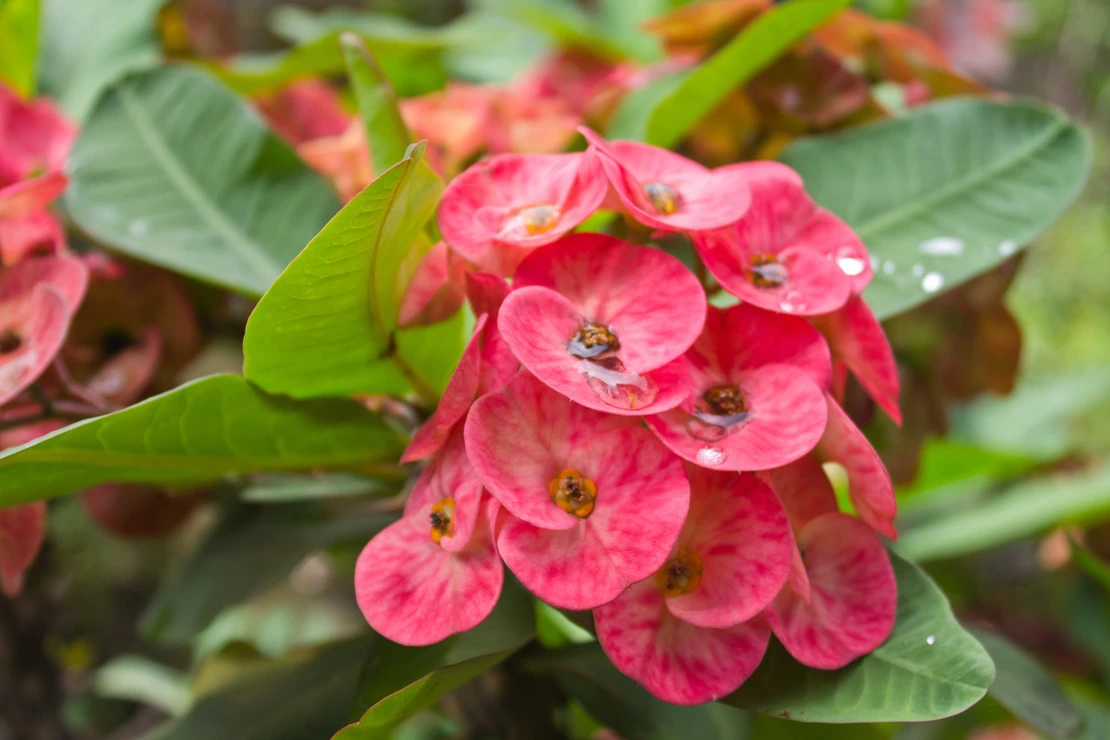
{"x":436,"y":290}
{"x":29,"y":196}
{"x":39,"y":322}
{"x":739,"y":530}
{"x":853,"y":595}
{"x":486,"y":292}
{"x":676,"y":661}
{"x":832,"y":238}
{"x":22,"y":237}
{"x":34,"y":135}
{"x":449,"y":475}
{"x":804,"y":489}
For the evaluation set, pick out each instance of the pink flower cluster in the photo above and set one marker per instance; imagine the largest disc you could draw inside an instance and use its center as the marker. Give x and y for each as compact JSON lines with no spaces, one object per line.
{"x":626,"y":448}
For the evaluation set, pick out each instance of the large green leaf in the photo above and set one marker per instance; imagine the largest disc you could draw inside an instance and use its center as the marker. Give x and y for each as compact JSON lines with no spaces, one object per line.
{"x":248,"y":551}
{"x":87,"y":44}
{"x":1029,"y":691}
{"x":401,"y":681}
{"x":1022,"y":510}
{"x":947,"y":192}
{"x":19,"y":44}
{"x":328,"y":326}
{"x":929,"y":668}
{"x":377,"y":105}
{"x":664,"y":112}
{"x":197,"y":433}
{"x":172,"y":168}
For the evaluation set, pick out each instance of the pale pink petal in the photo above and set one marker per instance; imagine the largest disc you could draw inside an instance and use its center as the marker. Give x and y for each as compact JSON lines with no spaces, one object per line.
{"x":857,"y":339}
{"x":675,"y":660}
{"x":22,"y":530}
{"x":739,"y":531}
{"x":853,"y":595}
{"x":436,"y":290}
{"x":869,"y":484}
{"x":414,"y":592}
{"x":449,"y":475}
{"x":832,"y":238}
{"x":67,"y":274}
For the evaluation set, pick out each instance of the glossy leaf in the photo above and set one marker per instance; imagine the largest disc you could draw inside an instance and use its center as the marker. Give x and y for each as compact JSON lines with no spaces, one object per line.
{"x":19,"y":44}
{"x":401,"y":681}
{"x":686,"y":100}
{"x":198,"y":433}
{"x":947,"y":192}
{"x":248,"y":551}
{"x":343,"y":292}
{"x":377,"y":105}
{"x":929,"y":668}
{"x":1027,"y":689}
{"x":140,"y":679}
{"x":173,"y":169}
{"x":1022,"y":510}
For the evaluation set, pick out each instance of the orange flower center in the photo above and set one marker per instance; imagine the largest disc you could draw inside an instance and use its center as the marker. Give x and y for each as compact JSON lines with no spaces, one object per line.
{"x":591,"y":340}
{"x":443,"y":519}
{"x":572,"y":493}
{"x":538,"y":219}
{"x":663,"y":197}
{"x":767,"y":271}
{"x":680,"y":575}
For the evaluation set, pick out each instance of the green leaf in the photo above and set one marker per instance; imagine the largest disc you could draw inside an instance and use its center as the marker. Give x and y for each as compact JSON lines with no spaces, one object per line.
{"x":1090,"y":563}
{"x":928,"y":669}
{"x":198,"y":433}
{"x":88,"y":44}
{"x":1029,"y":691}
{"x":343,"y":292}
{"x":19,"y":44}
{"x":293,"y":699}
{"x":585,"y":673}
{"x":947,"y":192}
{"x":173,"y":169}
{"x":386,"y":132}
{"x":1022,"y":510}
{"x":401,"y":681}
{"x":251,"y":549}
{"x":665,"y":111}
{"x":140,"y":679}
{"x":285,"y":488}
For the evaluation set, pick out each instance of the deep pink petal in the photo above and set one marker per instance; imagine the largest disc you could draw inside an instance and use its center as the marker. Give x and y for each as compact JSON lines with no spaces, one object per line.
{"x":479,"y":213}
{"x":34,"y":135}
{"x":22,"y":530}
{"x":648,"y":298}
{"x":677,"y":661}
{"x":22,"y":237}
{"x":853,"y":595}
{"x":449,"y":475}
{"x":832,"y":238}
{"x":486,"y":292}
{"x":29,"y":196}
{"x":869,"y":484}
{"x":804,"y":489}
{"x":414,"y":592}
{"x":537,"y":323}
{"x":739,"y":531}
{"x":39,"y":323}
{"x":857,"y":339}
{"x":707,"y":199}
{"x":436,"y":290}
{"x":785,"y":419}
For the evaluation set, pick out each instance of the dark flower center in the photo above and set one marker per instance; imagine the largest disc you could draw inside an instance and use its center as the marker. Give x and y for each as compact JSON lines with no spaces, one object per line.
{"x":724,"y":400}
{"x":9,"y":341}
{"x":591,"y":340}
{"x":681,"y":575}
{"x":768,"y":272}
{"x":443,"y":519}
{"x":572,"y":493}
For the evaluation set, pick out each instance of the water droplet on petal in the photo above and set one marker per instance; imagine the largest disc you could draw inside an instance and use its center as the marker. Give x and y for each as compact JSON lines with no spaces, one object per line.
{"x":943,"y":246}
{"x":851,"y":260}
{"x":932,"y":282}
{"x":608,"y":379}
{"x":931,"y":640}
{"x":918,"y":270}
{"x":793,"y":302}
{"x":888,"y":267}
{"x":1007,"y":248}
{"x":711,"y":456}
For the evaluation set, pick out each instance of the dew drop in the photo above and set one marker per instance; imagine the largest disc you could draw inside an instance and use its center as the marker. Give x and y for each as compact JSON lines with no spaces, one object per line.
{"x":888,"y":267}
{"x":931,"y":640}
{"x":1007,"y":248}
{"x":138,"y":227}
{"x":793,"y":302}
{"x":711,"y":456}
{"x":932,"y":282}
{"x":608,"y":379}
{"x":705,"y":431}
{"x":918,"y":270}
{"x":943,"y":246}
{"x":851,"y":260}
{"x":874,"y":262}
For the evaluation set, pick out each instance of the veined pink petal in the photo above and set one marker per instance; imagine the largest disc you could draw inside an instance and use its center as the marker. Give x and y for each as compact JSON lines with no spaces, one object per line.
{"x":537,"y":323}
{"x":739,"y":531}
{"x":702,"y":198}
{"x":22,"y":530}
{"x":22,"y":237}
{"x":449,"y":476}
{"x":853,"y":595}
{"x":67,"y":274}
{"x":857,"y":339}
{"x":33,"y":330}
{"x":784,"y":419}
{"x":486,"y":292}
{"x":34,"y":135}
{"x":677,"y":661}
{"x":414,"y":592}
{"x":869,"y":484}
{"x":835,"y":240}
{"x":436,"y":290}
{"x":804,"y":489}
{"x":29,"y":196}
{"x":501,"y":208}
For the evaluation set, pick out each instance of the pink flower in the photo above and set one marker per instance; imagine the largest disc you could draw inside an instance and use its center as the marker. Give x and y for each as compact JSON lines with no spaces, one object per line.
{"x":437,"y":288}
{"x":593,"y":502}
{"x":485,"y":366}
{"x":605,"y":323}
{"x":344,"y":159}
{"x":757,"y":397}
{"x":305,"y":110}
{"x":693,"y":632}
{"x":454,"y":121}
{"x":852,"y":595}
{"x":785,"y":254}
{"x":668,"y":191}
{"x":529,"y":125}
{"x":37,"y":300}
{"x":502,"y":208}
{"x":435,"y":572}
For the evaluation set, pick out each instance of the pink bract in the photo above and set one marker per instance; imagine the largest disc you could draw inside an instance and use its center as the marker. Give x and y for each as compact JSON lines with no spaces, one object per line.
{"x":24,"y":236}
{"x":646,"y":299}
{"x":756,"y":402}
{"x":437,"y":288}
{"x":307,"y":109}
{"x":502,"y":208}
{"x":785,"y":254}
{"x":417,"y":591}
{"x":523,"y":440}
{"x":34,"y":135}
{"x":22,"y":529}
{"x":696,"y":197}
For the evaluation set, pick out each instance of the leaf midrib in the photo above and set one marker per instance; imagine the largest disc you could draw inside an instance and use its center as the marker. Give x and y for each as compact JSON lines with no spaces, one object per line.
{"x":250,"y":252}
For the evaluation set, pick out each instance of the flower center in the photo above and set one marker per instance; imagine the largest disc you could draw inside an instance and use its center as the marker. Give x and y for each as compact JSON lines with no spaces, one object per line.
{"x":725,"y":400}
{"x":572,"y":493}
{"x":591,"y":340}
{"x":443,"y":519}
{"x":767,"y":271}
{"x":9,"y":341}
{"x":665,"y":198}
{"x":681,"y":575}
{"x":538,"y":219}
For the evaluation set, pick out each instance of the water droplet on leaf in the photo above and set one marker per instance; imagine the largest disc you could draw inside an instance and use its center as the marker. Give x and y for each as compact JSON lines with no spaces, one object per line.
{"x":943,"y":246}
{"x":932,"y":282}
